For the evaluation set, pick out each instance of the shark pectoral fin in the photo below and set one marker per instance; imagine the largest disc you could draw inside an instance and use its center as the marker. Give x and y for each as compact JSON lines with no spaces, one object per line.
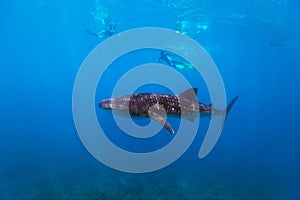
{"x":161,"y":119}
{"x":167,"y":126}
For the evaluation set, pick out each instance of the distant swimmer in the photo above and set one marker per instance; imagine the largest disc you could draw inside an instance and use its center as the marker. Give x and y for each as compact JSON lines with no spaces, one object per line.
{"x":170,"y":60}
{"x":277,"y":43}
{"x":108,"y":32}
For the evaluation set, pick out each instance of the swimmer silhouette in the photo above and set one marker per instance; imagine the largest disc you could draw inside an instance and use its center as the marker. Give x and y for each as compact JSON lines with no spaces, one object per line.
{"x":170,"y":60}
{"x":108,"y":32}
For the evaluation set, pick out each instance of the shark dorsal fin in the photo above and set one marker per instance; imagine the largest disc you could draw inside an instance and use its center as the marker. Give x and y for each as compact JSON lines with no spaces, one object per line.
{"x":189,"y":94}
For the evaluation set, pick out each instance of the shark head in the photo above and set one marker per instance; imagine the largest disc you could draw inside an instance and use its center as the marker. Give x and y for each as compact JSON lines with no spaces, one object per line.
{"x":106,"y":104}
{"x":120,"y":103}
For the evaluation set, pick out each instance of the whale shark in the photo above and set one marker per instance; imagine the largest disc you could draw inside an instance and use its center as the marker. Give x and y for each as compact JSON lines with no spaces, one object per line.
{"x":157,"y":106}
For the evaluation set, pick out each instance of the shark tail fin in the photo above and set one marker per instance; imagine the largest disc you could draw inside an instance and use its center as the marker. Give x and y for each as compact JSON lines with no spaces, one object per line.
{"x":228,"y":108}
{"x":230,"y":105}
{"x":225,"y":111}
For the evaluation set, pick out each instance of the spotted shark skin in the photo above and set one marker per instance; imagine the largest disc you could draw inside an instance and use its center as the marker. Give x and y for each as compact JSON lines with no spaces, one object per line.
{"x":157,"y":106}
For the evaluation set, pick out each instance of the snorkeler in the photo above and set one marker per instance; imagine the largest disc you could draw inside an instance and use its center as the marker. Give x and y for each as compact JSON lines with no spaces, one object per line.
{"x":277,"y":43}
{"x":108,"y":32}
{"x":170,"y":60}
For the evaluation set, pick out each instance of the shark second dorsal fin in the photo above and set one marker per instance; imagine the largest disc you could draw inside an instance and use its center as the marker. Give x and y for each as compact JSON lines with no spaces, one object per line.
{"x":189,"y":94}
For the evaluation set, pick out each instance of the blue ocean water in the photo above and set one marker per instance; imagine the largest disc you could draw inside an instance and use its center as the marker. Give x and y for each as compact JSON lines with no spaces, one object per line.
{"x":255,"y":45}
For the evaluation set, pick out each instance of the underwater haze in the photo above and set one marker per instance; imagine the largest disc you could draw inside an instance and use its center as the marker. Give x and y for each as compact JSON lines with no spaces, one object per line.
{"x":254,"y":44}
